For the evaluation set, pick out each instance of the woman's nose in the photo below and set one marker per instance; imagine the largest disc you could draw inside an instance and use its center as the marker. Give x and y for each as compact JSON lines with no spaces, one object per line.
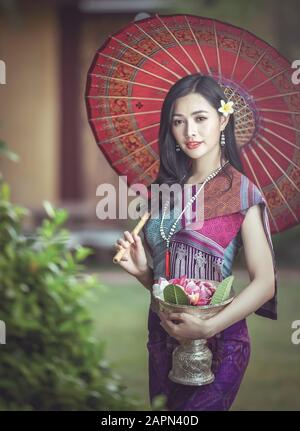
{"x":190,"y":130}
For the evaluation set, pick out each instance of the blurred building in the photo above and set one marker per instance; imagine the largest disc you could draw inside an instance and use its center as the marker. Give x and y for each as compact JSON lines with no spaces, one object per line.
{"x":48,"y":47}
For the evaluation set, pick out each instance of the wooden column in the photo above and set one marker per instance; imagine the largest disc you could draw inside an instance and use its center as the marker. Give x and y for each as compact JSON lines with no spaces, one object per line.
{"x":70,"y":157}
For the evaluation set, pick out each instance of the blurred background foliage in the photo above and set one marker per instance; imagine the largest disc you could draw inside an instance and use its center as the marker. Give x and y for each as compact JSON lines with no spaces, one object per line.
{"x":51,"y":360}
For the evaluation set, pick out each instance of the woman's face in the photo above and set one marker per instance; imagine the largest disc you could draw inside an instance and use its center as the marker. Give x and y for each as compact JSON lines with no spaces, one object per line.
{"x":195,"y":120}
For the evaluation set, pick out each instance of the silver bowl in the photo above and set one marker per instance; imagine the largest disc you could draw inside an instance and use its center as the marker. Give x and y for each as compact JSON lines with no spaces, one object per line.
{"x":192,"y":359}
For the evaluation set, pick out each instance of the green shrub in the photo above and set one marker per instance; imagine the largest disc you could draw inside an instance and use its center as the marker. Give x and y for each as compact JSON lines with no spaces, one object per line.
{"x":50,"y":360}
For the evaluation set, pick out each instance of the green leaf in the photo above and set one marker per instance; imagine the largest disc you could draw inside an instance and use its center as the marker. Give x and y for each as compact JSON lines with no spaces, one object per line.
{"x":174,"y":294}
{"x":82,"y":253}
{"x":159,"y":402}
{"x":61,"y":216}
{"x":11,"y":155}
{"x":223,"y":291}
{"x":5,"y":192}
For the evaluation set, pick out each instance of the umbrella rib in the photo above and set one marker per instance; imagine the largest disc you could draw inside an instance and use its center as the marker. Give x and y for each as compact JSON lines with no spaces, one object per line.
{"x":240,"y":110}
{"x":277,"y":95}
{"x":243,"y":135}
{"x":245,"y":115}
{"x":239,"y":132}
{"x":134,"y":67}
{"x":178,"y":43}
{"x":128,"y":133}
{"x":190,"y":29}
{"x":260,"y":188}
{"x":278,"y":151}
{"x":124,"y":97}
{"x":275,"y":185}
{"x":279,"y":111}
{"x":148,"y":169}
{"x":128,"y":82}
{"x":237,"y":57}
{"x":125,"y":115}
{"x":254,"y":65}
{"x":147,"y":56}
{"x":268,"y":120}
{"x":240,"y":129}
{"x":217,"y":49}
{"x":235,"y":63}
{"x":278,"y":166}
{"x":199,"y":47}
{"x":133,"y":153}
{"x":269,"y":79}
{"x":164,"y":49}
{"x":280,"y":137}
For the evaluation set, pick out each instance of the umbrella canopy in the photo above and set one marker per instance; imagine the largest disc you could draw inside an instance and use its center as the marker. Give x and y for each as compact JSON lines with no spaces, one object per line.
{"x":135,"y":68}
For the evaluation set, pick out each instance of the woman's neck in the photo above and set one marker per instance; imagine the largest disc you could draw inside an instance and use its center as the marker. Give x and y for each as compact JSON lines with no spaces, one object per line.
{"x":200,"y":173}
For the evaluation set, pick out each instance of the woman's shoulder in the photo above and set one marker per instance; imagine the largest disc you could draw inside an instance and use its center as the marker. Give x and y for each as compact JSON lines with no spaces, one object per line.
{"x":250,"y":193}
{"x":222,"y":198}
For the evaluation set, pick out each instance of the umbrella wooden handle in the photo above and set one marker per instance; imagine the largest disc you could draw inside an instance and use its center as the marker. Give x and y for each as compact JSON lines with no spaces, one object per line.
{"x":118,"y":256}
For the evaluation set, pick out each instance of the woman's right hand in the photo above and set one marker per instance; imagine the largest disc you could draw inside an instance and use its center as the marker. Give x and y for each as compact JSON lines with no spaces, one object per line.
{"x":134,"y":260}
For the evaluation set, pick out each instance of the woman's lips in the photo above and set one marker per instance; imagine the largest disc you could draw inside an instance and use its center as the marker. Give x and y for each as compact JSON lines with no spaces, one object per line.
{"x":192,"y":145}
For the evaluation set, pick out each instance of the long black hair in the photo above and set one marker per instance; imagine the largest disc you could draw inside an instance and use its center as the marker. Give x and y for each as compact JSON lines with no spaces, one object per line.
{"x":174,"y":166}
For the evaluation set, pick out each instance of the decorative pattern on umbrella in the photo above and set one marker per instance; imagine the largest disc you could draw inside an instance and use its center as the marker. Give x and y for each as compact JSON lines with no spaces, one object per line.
{"x":134,"y":69}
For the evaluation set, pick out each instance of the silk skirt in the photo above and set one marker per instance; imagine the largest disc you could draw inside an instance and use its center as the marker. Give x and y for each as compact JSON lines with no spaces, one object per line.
{"x":231,"y":354}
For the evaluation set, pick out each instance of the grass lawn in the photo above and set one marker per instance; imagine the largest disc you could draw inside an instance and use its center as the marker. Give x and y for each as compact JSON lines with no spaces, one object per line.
{"x":272,"y":380}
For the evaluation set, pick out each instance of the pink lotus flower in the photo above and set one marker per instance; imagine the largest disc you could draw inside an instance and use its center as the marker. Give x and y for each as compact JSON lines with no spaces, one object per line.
{"x":199,"y":292}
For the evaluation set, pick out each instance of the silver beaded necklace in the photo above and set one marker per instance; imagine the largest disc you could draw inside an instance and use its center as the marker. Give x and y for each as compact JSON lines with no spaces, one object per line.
{"x":190,"y":202}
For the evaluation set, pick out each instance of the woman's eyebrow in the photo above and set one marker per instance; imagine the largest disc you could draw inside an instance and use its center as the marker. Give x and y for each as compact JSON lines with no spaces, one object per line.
{"x":193,"y":113}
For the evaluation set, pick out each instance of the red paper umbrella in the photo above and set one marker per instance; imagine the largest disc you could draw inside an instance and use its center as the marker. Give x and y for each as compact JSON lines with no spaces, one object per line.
{"x":133,"y":71}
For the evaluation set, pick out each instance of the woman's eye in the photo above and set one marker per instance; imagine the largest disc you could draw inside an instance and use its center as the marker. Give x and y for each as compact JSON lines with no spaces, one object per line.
{"x":200,"y":118}
{"x":176,"y":122}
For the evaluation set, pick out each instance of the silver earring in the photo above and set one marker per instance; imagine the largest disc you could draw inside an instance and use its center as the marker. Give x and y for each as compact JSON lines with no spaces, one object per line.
{"x":222,"y":139}
{"x":177,"y":147}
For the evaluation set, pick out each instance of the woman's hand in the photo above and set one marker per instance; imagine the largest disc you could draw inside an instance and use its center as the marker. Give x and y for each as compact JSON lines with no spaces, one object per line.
{"x":134,"y":260}
{"x":184,"y":325}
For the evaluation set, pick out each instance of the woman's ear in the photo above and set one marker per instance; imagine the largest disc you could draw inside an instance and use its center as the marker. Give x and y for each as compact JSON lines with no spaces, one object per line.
{"x":223,"y":122}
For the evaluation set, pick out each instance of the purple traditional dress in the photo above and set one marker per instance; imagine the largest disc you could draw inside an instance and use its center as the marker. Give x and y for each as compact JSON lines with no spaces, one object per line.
{"x":205,"y":252}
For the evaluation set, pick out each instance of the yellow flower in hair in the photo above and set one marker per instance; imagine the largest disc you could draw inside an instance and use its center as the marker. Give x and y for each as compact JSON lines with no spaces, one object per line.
{"x":226,"y":108}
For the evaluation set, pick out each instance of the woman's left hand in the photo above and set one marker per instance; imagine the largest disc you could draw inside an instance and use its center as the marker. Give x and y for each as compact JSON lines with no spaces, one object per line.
{"x":184,"y":325}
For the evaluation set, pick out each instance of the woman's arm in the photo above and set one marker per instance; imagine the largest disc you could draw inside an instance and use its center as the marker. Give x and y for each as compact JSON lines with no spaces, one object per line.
{"x":260,"y":268}
{"x":261,"y":288}
{"x":146,"y":278}
{"x":134,"y":260}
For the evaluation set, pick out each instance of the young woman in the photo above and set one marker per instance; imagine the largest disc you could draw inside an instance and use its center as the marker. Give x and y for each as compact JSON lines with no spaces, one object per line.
{"x":196,"y":139}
